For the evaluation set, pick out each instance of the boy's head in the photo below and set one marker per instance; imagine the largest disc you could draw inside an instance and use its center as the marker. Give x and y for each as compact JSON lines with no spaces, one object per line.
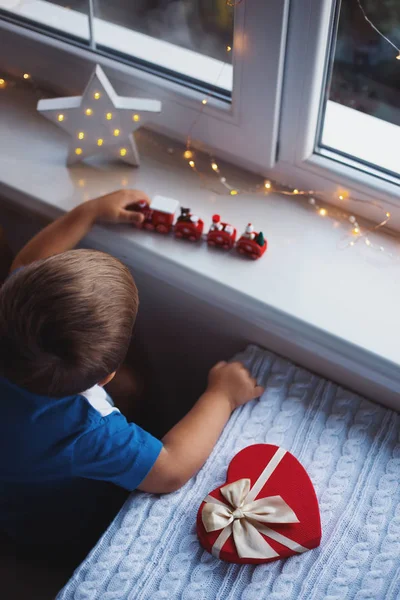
{"x":66,"y":322}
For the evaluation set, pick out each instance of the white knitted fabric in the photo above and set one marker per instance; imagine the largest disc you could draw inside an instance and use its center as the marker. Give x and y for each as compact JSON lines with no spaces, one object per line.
{"x":351,"y":450}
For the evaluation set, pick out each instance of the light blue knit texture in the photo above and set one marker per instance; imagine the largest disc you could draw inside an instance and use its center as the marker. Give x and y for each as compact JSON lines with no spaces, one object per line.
{"x":351,"y":450}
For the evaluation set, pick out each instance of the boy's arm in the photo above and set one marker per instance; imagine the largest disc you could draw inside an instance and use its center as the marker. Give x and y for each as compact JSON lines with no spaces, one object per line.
{"x":187,"y":445}
{"x":67,"y":231}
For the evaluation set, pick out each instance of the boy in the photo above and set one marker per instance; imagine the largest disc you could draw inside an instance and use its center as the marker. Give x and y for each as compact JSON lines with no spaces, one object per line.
{"x":66,"y":318}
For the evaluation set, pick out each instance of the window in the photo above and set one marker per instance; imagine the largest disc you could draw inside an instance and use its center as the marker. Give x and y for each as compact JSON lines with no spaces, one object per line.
{"x":179,"y":51}
{"x":53,"y":16}
{"x":194,"y":38}
{"x":334,"y":137}
{"x":362,"y":109}
{"x":306,"y":91}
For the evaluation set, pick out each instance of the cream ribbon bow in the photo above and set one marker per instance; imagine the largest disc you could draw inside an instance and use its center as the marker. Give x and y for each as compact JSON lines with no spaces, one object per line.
{"x":245,"y":517}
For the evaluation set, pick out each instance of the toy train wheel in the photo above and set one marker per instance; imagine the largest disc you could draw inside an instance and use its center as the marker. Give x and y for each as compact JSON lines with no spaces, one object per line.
{"x":178,"y":235}
{"x":161,"y":229}
{"x":211,"y":243}
{"x":226,"y":246}
{"x":241,"y":251}
{"x":192,"y":238}
{"x":254,"y":256}
{"x":149,"y":226}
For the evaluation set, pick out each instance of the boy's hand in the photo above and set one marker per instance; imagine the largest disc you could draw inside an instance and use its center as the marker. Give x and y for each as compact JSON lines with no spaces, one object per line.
{"x":235,"y":382}
{"x":112,"y":208}
{"x":189,"y":443}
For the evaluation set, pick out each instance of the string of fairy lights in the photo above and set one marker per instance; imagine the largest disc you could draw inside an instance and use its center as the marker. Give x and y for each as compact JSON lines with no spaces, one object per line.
{"x":358,"y":234}
{"x":314,"y":199}
{"x":378,"y":31}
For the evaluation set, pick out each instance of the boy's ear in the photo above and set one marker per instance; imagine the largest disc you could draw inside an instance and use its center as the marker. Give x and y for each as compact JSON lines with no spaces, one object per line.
{"x":107,"y":379}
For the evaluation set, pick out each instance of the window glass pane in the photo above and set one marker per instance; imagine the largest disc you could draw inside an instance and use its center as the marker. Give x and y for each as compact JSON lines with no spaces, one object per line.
{"x":70,"y":17}
{"x":362,"y":111}
{"x":190,"y":37}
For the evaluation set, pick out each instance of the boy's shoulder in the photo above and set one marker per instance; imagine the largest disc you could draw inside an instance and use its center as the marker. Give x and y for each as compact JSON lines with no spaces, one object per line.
{"x":83,"y":410}
{"x":99,"y":400}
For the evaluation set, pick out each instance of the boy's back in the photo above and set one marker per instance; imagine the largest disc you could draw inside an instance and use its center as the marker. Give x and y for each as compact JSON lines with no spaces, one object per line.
{"x":53,"y":451}
{"x":60,"y":455}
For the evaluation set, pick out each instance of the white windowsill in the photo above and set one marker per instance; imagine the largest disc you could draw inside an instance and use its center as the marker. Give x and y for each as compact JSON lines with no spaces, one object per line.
{"x":131,"y":43}
{"x":334,"y":311}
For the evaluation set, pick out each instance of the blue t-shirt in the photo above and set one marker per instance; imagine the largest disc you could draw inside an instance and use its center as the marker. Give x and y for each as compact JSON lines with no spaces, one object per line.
{"x":59,"y":459}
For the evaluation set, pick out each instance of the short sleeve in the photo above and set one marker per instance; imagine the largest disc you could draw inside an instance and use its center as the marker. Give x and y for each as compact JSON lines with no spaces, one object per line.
{"x":116,"y":451}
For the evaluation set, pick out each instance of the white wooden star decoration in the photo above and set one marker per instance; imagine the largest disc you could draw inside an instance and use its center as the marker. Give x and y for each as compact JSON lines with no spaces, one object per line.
{"x":100,"y":121}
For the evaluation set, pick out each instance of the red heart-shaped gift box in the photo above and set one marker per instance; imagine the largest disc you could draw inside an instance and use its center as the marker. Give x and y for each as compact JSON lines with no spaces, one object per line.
{"x":267,"y":489}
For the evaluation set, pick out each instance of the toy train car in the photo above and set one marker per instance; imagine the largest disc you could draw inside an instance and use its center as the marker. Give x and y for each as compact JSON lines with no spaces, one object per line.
{"x":160,"y":217}
{"x":189,"y":226}
{"x":221,"y":234}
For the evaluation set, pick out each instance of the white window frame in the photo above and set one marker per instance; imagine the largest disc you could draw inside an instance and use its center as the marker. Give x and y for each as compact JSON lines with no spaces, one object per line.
{"x":309,"y":40}
{"x":232,"y":130}
{"x":264,"y":129}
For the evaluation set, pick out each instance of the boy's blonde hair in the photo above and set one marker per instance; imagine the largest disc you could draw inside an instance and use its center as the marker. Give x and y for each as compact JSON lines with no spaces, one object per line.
{"x":66,"y":322}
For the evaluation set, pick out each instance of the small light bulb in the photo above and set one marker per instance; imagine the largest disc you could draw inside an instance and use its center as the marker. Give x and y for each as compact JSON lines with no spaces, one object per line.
{"x":136,"y":118}
{"x":96,"y":95}
{"x":78,"y":150}
{"x":116,"y":132}
{"x":323,"y":212}
{"x":89,"y":112}
{"x":108,"y":116}
{"x":26,"y":76}
{"x":233,"y":192}
{"x":100,"y":142}
{"x":267,"y":185}
{"x":228,"y":48}
{"x":341,"y":197}
{"x":188,"y":154}
{"x":191,"y":163}
{"x":204,"y":101}
{"x":295,"y":191}
{"x":352,"y":219}
{"x":368,"y":243}
{"x":223,"y":180}
{"x":123,"y":151}
{"x":311,"y":201}
{"x":351,"y":243}
{"x":356,"y":231}
{"x":214,"y":166}
{"x":388,"y":215}
{"x":2,"y":83}
{"x":60,"y":118}
{"x":81,"y":135}
{"x":81,"y":183}
{"x":398,"y":56}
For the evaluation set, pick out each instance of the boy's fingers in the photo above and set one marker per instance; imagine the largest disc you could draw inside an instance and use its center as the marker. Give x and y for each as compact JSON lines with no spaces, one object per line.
{"x":219,"y":365}
{"x":131,"y":216}
{"x":132,"y":196}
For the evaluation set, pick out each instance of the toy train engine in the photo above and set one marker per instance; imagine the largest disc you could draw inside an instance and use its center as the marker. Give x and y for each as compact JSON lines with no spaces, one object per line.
{"x":142,"y":207}
{"x":160,"y":215}
{"x":188,"y":226}
{"x":221,"y":235}
{"x":251,"y":243}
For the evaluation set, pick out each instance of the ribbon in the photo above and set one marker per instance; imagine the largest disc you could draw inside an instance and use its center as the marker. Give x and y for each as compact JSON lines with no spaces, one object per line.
{"x":245,"y":518}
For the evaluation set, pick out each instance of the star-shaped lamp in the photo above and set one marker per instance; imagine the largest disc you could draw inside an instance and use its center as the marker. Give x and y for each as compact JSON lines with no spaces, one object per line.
{"x":100,"y":120}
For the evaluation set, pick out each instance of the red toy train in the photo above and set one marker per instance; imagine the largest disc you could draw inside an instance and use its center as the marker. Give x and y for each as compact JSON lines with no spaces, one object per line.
{"x":160,"y":216}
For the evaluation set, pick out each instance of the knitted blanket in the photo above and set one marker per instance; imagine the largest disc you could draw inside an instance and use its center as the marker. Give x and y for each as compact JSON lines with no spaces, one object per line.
{"x":351,"y":450}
